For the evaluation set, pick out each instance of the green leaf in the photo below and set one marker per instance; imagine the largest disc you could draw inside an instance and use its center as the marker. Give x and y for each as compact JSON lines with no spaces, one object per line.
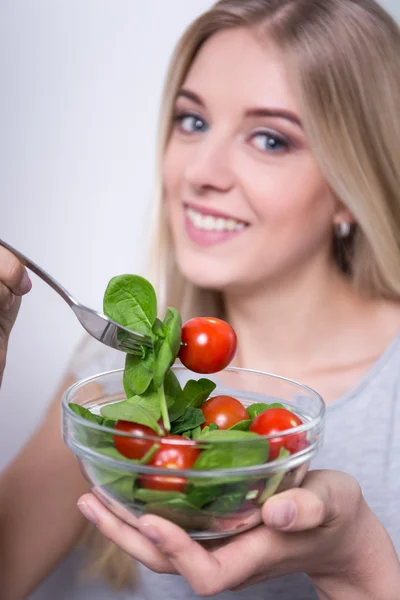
{"x":275,"y":481}
{"x":182,"y":513}
{"x":194,"y":394}
{"x":169,"y":347}
{"x":173,"y":392}
{"x":112,"y":452}
{"x":131,"y":301}
{"x":197,"y":391}
{"x":144,"y":410}
{"x":86,"y":414}
{"x":88,"y":436}
{"x":232,"y":453}
{"x":138,"y":373}
{"x":241,"y":426}
{"x":146,"y":496}
{"x":191,"y":419}
{"x":255,"y":409}
{"x":205,"y":430}
{"x":201,"y":495}
{"x":228,"y":503}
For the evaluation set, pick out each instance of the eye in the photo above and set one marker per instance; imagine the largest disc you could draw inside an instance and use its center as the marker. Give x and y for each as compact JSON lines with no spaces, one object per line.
{"x":270,"y":142}
{"x":190,"y":123}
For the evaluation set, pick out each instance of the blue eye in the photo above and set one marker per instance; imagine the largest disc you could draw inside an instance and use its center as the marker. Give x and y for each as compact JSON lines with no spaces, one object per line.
{"x":269,"y":142}
{"x":190,"y":123}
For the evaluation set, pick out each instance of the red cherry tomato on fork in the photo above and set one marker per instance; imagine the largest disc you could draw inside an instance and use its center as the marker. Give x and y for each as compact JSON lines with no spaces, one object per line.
{"x":274,"y":421}
{"x":224,"y":411}
{"x":209,"y":345}
{"x":133,"y":447}
{"x":170,"y":456}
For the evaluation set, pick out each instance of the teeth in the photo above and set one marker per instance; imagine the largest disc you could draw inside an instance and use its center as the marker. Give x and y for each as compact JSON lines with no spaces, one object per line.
{"x":210,"y":223}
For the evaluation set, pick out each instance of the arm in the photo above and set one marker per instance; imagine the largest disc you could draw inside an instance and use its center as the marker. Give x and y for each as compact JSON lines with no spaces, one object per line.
{"x":39,"y":521}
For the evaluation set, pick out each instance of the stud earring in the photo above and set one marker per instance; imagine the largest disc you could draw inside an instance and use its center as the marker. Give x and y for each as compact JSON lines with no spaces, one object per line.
{"x":343,"y":229}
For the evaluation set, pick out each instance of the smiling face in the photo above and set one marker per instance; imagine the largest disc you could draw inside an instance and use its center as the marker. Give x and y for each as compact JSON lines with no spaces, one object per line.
{"x":246,"y":201}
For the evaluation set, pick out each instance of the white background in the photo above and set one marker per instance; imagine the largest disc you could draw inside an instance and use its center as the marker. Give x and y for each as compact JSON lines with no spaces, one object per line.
{"x":80,"y":88}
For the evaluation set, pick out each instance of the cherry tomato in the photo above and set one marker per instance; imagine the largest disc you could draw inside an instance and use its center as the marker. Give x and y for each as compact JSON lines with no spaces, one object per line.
{"x":276,"y":420}
{"x":210,"y":345}
{"x":133,"y":447}
{"x":224,"y":411}
{"x":170,"y":456}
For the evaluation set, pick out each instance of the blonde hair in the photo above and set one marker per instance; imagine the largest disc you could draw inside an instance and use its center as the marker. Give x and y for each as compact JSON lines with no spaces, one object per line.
{"x":344,"y":62}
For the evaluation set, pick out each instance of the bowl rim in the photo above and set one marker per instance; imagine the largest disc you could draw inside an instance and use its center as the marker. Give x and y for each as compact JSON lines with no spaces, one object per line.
{"x":310,"y":424}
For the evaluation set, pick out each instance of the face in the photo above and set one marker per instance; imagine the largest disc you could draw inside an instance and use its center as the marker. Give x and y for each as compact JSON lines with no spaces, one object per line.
{"x":246,"y":201}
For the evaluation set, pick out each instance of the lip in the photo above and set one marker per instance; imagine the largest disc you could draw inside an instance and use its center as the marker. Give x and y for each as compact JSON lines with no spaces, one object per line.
{"x":209,"y":210}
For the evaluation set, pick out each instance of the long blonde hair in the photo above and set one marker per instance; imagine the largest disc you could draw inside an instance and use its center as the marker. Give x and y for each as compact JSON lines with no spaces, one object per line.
{"x":344,"y":61}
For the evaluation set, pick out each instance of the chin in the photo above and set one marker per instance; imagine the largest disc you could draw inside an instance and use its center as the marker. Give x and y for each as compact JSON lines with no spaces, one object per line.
{"x":206,"y":273}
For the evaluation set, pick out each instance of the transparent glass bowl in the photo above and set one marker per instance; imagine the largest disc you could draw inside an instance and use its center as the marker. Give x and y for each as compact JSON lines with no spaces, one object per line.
{"x":217,"y":503}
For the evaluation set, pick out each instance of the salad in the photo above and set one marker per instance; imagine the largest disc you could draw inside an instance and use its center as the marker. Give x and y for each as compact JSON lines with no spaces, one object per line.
{"x":170,"y":426}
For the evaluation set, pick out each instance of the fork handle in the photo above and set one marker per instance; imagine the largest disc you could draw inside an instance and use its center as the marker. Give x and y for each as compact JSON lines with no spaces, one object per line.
{"x":57,"y":287}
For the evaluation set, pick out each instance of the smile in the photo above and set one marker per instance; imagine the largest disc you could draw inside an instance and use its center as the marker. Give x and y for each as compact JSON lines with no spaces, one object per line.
{"x":207,"y":222}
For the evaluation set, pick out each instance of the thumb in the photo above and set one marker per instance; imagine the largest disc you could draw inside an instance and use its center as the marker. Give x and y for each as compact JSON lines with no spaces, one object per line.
{"x":323,"y":496}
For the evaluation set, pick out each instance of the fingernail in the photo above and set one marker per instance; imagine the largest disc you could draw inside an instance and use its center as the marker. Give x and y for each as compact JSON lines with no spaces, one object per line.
{"x":282,"y":514}
{"x":87,"y":512}
{"x":26,"y":285}
{"x":150,"y":533}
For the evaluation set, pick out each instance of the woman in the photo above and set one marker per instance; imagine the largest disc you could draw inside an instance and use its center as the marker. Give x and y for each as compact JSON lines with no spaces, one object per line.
{"x":279,"y":211}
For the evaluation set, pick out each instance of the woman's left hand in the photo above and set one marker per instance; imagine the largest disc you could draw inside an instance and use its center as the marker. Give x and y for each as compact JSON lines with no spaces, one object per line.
{"x":325,"y":529}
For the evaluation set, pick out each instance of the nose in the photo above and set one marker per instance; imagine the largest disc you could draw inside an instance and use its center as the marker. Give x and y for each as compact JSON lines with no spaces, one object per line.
{"x":209,"y":167}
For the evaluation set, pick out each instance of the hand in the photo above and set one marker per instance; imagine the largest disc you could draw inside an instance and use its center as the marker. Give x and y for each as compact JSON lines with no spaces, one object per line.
{"x":14,"y":283}
{"x":324,"y":529}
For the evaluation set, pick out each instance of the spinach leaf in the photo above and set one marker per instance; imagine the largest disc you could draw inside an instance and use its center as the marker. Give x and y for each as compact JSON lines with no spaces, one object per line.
{"x":200,"y":495}
{"x":180,"y":512}
{"x":138,"y":373}
{"x":228,"y":503}
{"x":242,"y":425}
{"x":275,"y":481}
{"x":86,"y":414}
{"x":144,"y":410}
{"x":173,"y":394}
{"x":255,"y":409}
{"x":88,"y":436}
{"x":169,"y":347}
{"x":232,"y":453}
{"x":197,"y":434}
{"x":197,"y":391}
{"x":131,"y":301}
{"x":153,"y":496}
{"x":191,"y":419}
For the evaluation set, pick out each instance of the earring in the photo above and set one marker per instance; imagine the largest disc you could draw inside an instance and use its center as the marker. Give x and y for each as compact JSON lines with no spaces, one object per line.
{"x":343,"y":229}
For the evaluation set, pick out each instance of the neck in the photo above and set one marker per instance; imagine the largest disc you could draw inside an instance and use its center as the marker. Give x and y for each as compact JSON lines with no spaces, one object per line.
{"x":298,"y":324}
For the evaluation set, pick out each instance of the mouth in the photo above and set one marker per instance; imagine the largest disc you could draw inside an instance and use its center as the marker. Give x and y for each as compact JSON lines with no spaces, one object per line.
{"x":213,"y":221}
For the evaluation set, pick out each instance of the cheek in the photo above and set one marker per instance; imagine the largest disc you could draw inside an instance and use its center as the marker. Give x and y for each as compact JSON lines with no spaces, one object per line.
{"x":289,"y":194}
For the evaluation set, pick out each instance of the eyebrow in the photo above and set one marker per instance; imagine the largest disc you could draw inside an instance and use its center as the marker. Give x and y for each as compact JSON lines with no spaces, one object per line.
{"x":252,"y":112}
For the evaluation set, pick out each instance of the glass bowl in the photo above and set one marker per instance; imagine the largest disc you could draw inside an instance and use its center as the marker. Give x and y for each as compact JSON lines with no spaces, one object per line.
{"x":216,"y":502}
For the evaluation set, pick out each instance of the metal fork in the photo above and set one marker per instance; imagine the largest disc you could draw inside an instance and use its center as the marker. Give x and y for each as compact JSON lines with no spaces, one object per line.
{"x":98,"y":325}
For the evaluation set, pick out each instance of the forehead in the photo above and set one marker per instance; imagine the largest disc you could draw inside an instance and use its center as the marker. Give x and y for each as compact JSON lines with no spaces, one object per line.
{"x":236,"y":68}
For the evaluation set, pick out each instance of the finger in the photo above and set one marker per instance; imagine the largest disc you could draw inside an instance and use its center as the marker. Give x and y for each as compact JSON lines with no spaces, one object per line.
{"x":209,"y":573}
{"x":13,"y":274}
{"x":7,"y":298}
{"x":126,"y":537}
{"x":323,"y":495}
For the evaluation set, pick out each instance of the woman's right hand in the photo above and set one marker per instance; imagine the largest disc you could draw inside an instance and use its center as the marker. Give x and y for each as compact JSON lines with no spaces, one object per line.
{"x":14,"y":283}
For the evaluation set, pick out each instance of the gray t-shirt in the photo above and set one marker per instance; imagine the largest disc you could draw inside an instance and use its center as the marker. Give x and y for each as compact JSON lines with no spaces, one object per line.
{"x":362,"y":438}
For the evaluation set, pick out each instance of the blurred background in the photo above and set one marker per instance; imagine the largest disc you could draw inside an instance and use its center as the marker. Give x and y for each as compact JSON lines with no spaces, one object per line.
{"x":81,"y":83}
